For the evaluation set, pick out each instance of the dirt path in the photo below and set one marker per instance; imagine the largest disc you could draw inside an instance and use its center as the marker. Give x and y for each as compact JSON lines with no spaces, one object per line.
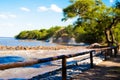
{"x":107,"y":70}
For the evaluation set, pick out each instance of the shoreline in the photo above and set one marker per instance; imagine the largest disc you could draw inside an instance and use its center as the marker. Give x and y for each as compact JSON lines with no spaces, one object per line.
{"x":43,"y":52}
{"x":57,"y":47}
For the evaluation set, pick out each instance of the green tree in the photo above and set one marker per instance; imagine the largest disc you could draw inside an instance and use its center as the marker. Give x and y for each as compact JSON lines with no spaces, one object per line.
{"x":22,"y":35}
{"x":95,"y":16}
{"x":53,"y":30}
{"x":69,"y":30}
{"x":41,"y":34}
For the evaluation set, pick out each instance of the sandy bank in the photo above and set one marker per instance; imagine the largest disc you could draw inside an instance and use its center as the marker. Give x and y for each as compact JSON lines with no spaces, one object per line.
{"x":57,"y":47}
{"x":43,"y":53}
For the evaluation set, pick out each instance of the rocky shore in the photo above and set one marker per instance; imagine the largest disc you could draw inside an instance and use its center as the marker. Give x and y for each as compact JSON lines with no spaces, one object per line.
{"x":58,"y":47}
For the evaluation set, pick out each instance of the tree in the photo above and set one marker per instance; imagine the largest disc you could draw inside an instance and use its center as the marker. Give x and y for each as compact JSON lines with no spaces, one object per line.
{"x":95,"y":16}
{"x":69,"y":31}
{"x":41,"y":34}
{"x":22,"y":35}
{"x":52,"y":31}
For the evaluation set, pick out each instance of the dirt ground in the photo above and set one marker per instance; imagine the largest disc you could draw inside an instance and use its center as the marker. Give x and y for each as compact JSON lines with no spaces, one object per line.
{"x":106,"y":70}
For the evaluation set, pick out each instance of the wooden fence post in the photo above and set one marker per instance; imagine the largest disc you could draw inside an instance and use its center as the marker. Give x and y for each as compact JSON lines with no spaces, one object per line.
{"x":91,"y":59}
{"x":115,"y":51}
{"x":105,"y":54}
{"x":110,"y":52}
{"x":64,"y":68}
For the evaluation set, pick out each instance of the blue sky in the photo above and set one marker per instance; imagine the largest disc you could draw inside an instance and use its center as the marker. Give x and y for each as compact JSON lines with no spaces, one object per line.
{"x":19,"y":15}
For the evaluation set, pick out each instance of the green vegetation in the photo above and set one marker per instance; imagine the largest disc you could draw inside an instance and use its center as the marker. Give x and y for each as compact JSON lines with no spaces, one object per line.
{"x":95,"y":22}
{"x":41,"y":34}
{"x":96,"y":18}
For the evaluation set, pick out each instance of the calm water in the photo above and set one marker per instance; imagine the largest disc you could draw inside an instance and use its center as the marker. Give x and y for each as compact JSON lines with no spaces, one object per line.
{"x":9,"y":41}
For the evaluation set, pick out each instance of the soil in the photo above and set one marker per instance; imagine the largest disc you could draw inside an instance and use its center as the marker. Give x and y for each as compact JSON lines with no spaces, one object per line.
{"x":106,"y":70}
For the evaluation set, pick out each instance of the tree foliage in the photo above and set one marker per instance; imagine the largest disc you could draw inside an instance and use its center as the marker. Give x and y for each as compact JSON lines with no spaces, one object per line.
{"x":41,"y":34}
{"x":97,"y":19}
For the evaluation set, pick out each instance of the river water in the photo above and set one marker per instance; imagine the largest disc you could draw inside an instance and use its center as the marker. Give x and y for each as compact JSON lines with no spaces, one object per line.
{"x":10,"y":41}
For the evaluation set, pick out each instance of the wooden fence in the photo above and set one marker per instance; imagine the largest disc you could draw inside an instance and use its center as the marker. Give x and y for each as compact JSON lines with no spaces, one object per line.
{"x":108,"y":51}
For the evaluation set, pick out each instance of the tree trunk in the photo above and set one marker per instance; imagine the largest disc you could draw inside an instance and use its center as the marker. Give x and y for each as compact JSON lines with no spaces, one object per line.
{"x":110,"y":37}
{"x":107,"y":34}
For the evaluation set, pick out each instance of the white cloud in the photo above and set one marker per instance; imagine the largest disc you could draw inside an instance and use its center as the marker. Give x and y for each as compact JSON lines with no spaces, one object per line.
{"x":7,"y":16}
{"x":55,"y":8}
{"x":12,"y":16}
{"x":111,"y":1}
{"x":3,"y":16}
{"x":29,"y":24}
{"x":52,"y":7}
{"x":25,"y":9}
{"x":7,"y":24}
{"x":8,"y":29}
{"x":42,"y":8}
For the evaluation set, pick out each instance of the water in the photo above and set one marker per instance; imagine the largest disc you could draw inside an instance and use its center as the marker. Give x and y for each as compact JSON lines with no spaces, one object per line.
{"x":9,"y":41}
{"x":10,"y":59}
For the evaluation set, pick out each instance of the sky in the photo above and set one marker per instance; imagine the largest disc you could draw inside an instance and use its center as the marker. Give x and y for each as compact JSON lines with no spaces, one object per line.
{"x":19,"y":15}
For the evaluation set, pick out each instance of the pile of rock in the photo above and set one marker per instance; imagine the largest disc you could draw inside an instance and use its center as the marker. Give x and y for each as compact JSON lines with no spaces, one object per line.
{"x":94,"y":45}
{"x":34,"y":47}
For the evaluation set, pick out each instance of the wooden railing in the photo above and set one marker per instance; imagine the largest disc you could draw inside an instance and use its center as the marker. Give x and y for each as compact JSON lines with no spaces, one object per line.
{"x":109,"y":51}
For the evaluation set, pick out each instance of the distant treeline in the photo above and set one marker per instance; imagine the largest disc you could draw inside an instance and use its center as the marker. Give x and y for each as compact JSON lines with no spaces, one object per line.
{"x":81,"y":34}
{"x":41,"y":34}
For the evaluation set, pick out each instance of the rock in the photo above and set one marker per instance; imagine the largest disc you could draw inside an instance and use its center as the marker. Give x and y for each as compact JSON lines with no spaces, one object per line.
{"x":72,"y":41}
{"x":94,"y":45}
{"x":34,"y":47}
